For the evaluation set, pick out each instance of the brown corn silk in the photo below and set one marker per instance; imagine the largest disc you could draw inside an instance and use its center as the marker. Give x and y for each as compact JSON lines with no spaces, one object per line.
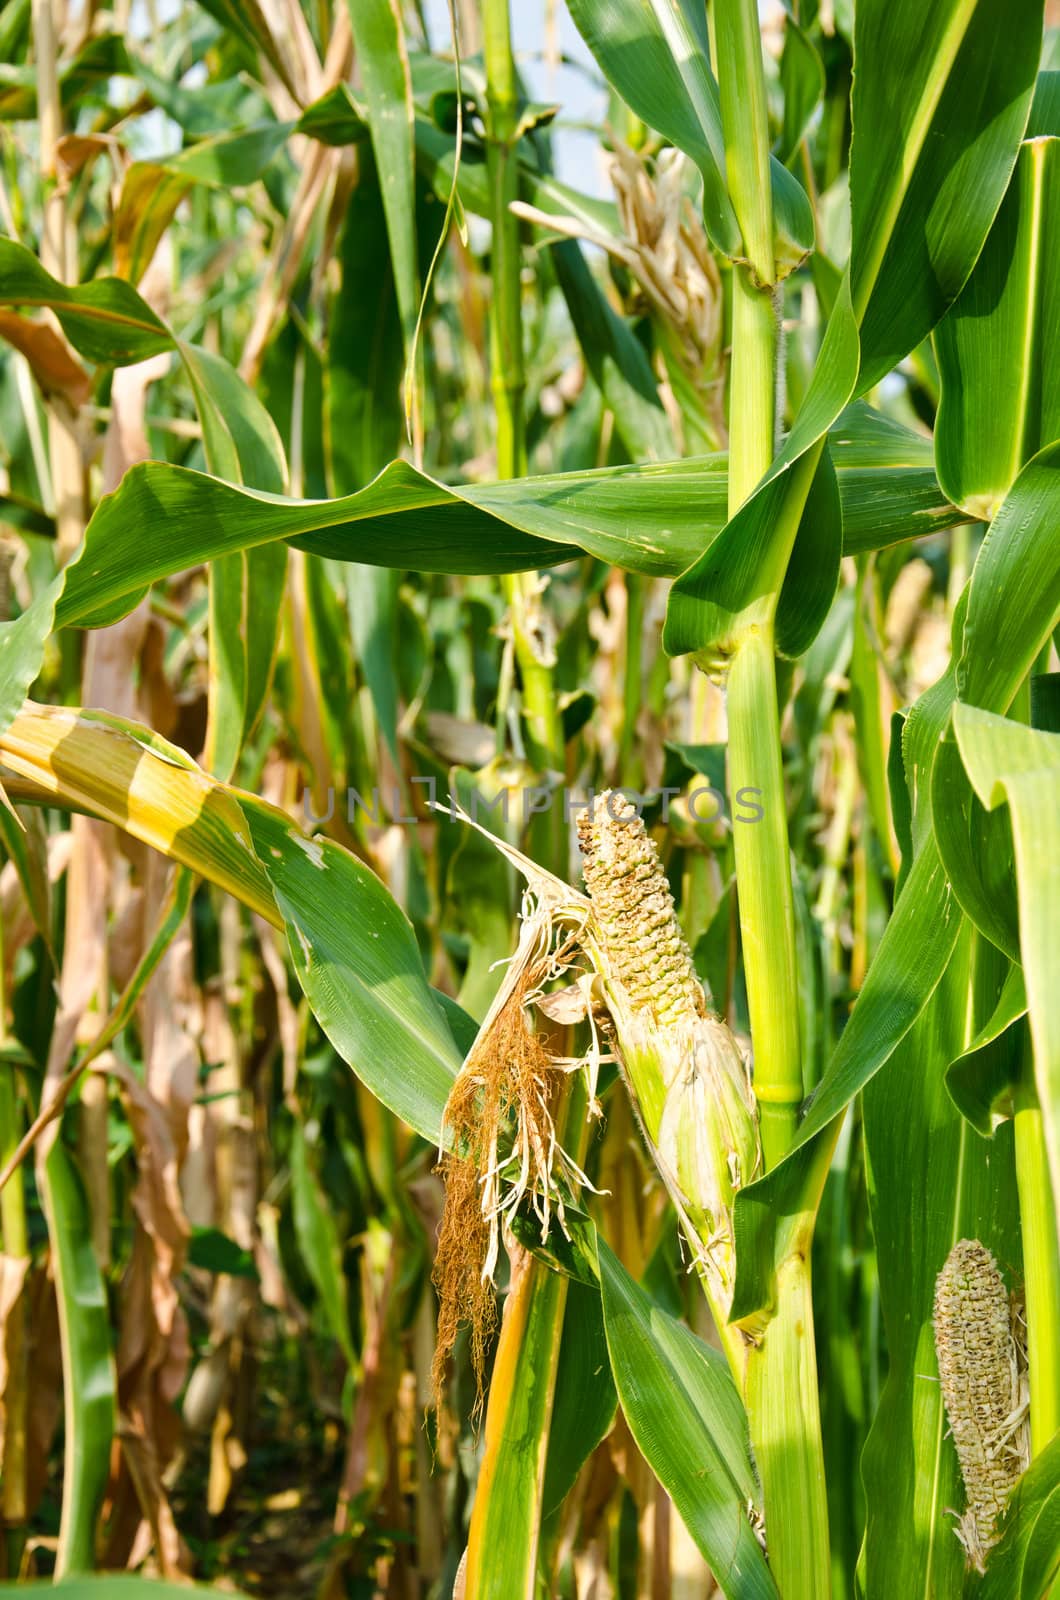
{"x":502,"y":1094}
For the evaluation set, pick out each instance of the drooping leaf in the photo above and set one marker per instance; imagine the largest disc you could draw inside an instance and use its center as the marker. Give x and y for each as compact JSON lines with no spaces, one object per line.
{"x":684,"y":1411}
{"x":356,"y":957}
{"x":152,"y":190}
{"x":106,"y":320}
{"x":353,"y":949}
{"x":651,"y":519}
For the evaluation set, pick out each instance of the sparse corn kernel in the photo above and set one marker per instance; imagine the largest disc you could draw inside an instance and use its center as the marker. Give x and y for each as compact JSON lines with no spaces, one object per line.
{"x":979,"y":1370}
{"x":634,"y":910}
{"x":684,"y":1069}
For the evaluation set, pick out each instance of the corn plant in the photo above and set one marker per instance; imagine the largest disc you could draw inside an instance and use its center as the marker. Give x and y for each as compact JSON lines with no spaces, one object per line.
{"x":530,"y":767}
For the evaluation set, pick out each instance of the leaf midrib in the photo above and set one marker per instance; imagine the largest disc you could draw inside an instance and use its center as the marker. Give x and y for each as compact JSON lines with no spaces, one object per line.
{"x":919,"y":127}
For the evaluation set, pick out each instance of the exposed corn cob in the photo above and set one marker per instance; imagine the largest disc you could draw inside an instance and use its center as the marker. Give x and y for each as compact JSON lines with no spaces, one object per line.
{"x":683,"y":1066}
{"x":980,"y":1372}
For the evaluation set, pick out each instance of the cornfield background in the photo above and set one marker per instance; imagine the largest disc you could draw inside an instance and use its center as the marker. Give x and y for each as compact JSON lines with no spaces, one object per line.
{"x":420,"y":416}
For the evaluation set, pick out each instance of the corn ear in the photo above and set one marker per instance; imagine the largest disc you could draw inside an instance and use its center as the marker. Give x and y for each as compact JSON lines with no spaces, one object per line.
{"x":980,"y":1373}
{"x":683,"y":1067}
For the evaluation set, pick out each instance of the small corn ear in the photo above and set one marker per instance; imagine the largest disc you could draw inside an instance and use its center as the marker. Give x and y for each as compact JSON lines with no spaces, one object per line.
{"x":979,"y":1370}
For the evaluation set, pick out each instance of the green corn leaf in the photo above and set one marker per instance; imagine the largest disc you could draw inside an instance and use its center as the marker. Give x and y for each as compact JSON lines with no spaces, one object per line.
{"x":382,"y":54}
{"x":366,"y":355}
{"x":1020,"y":766}
{"x":987,"y":1069}
{"x":650,"y":519}
{"x":89,"y":1381}
{"x":617,"y":361}
{"x":152,"y":190}
{"x":803,"y":81}
{"x":356,"y":958}
{"x":353,"y":949}
{"x":928,"y":169}
{"x":689,"y":1423}
{"x":680,"y":1402}
{"x":335,"y":119}
{"x":365,"y":416}
{"x":502,"y":1556}
{"x":242,"y":444}
{"x":113,"y":324}
{"x":1026,"y":1561}
{"x":975,"y":847}
{"x":247,"y":21}
{"x":927,"y":175}
{"x":999,"y":346}
{"x":22,"y":649}
{"x":240,"y":440}
{"x":232,"y":103}
{"x":105,"y":320}
{"x":319,"y":1244}
{"x":657,"y":55}
{"x":214,"y":1251}
{"x":585,"y":1400}
{"x":81,"y":77}
{"x":1012,"y":600}
{"x":812,"y":577}
{"x":932,"y":1180}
